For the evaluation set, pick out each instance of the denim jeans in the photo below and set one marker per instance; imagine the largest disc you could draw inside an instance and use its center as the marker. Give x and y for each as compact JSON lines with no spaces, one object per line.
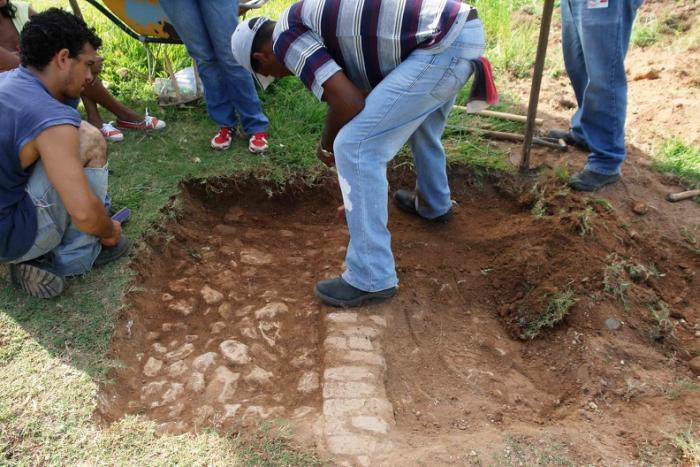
{"x":595,"y":42}
{"x":206,"y":26}
{"x":410,"y":105}
{"x":73,"y":251}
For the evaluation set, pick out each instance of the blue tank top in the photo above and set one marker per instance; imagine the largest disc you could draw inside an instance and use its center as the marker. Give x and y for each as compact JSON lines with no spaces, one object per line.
{"x":27,"y":108}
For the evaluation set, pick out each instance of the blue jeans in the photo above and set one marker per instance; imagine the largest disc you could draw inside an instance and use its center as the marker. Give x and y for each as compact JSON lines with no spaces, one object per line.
{"x":410,"y":105}
{"x":595,"y":42}
{"x":206,"y":26}
{"x":73,"y":251}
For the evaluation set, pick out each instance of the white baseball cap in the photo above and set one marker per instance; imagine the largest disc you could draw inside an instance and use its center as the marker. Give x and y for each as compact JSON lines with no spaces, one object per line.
{"x":242,"y":43}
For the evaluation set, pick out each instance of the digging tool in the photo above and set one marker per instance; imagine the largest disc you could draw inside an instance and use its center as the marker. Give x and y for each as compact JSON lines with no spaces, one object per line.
{"x":547,"y":11}
{"x":553,"y":143}
{"x":501,"y":115}
{"x":673,"y":197}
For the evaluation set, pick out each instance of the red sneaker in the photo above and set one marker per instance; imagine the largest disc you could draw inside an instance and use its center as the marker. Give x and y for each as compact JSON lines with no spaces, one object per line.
{"x":258,"y":142}
{"x":223,"y":138}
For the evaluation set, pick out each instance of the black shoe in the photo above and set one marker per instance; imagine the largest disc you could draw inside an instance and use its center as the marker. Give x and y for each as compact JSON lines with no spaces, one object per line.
{"x":38,"y":278}
{"x":591,"y":181}
{"x":111,"y":253}
{"x":337,"y":292}
{"x":568,"y":138}
{"x":406,"y":201}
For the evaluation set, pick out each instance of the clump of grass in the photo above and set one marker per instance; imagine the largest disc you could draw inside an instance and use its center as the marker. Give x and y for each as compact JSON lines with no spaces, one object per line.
{"x":663,"y":326}
{"x":581,"y":219}
{"x":604,"y":203}
{"x":521,"y":451}
{"x":615,"y":280}
{"x":682,"y":161}
{"x":680,"y":387}
{"x":685,"y":441}
{"x":646,"y":31}
{"x":558,"y":306}
{"x":634,"y":389}
{"x":562,"y":173}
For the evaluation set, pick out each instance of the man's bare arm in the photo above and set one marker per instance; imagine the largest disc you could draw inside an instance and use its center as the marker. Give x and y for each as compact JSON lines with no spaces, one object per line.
{"x":8,"y":60}
{"x":59,"y":149}
{"x":345,"y":101}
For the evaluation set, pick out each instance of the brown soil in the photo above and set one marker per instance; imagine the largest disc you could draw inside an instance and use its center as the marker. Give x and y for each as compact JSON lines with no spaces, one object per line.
{"x":476,"y":372}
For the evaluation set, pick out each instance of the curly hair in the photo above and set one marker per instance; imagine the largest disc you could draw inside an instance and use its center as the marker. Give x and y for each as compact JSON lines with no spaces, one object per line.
{"x":9,"y":10}
{"x":49,"y":32}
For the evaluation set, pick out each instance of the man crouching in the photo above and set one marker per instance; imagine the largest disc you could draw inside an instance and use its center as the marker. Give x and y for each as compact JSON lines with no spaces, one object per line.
{"x":54,"y":206}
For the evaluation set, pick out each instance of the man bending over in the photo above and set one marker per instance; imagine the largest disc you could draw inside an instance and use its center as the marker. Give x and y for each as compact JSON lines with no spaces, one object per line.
{"x":53,"y":167}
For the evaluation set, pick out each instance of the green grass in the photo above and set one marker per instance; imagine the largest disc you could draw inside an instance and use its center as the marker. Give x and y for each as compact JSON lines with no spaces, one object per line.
{"x":682,"y":161}
{"x":686,"y":441}
{"x":558,"y":306}
{"x":53,"y":354}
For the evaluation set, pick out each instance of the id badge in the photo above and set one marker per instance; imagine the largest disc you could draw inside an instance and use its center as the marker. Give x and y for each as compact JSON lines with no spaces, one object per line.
{"x":596,"y":4}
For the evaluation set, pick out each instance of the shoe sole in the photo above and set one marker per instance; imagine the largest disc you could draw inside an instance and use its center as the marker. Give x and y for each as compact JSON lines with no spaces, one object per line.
{"x":587,"y":189}
{"x":37,"y":282}
{"x":441,"y":219}
{"x":257,"y":150}
{"x":221,"y":148}
{"x":359,"y":301}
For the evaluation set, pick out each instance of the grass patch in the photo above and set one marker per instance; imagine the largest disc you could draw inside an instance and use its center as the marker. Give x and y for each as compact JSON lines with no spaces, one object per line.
{"x":682,"y":161}
{"x":680,"y":387}
{"x":520,"y":451}
{"x":558,"y":306}
{"x":646,"y":31}
{"x":687,"y":444}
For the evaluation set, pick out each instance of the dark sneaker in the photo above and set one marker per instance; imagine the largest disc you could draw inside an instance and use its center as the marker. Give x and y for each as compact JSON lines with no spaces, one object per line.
{"x":591,"y":181}
{"x":337,"y":292}
{"x":406,"y":201}
{"x":112,"y":253}
{"x":568,"y":138}
{"x":37,"y":278}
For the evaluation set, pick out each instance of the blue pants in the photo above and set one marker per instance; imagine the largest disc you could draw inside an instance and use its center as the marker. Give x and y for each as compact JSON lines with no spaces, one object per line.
{"x":410,"y":105}
{"x":206,"y":26}
{"x":73,"y":251}
{"x":595,"y":42}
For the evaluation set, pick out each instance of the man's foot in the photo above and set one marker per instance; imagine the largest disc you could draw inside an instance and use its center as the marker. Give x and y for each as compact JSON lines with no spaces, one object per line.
{"x":37,"y":278}
{"x":591,"y":181}
{"x":112,"y":253}
{"x":337,"y":292}
{"x":148,"y":123}
{"x":110,"y":133}
{"x":406,"y":201}
{"x":568,"y":138}
{"x":223,"y":138}
{"x":258,"y":142}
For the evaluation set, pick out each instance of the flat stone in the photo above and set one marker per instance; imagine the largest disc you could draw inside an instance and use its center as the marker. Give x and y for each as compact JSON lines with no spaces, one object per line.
{"x":368,"y":332}
{"x":230,"y":411}
{"x":244,"y":311}
{"x":337,"y":426}
{"x":308,"y":382}
{"x":166,"y":297}
{"x":225,"y":311}
{"x":335,"y":343}
{"x":235,"y":352}
{"x":254,"y":257}
{"x":177,"y":369}
{"x":613,"y":324}
{"x":304,"y":360}
{"x":176,"y":409}
{"x":179,"y":354}
{"x":303,"y":411}
{"x":151,"y":336}
{"x":348,"y":390}
{"x":347,"y":317}
{"x":286,"y":233}
{"x":353,"y":407}
{"x":152,"y":367}
{"x":183,"y":307}
{"x":180,"y":285}
{"x":173,"y":393}
{"x":266,"y":331}
{"x":250,"y":333}
{"x":152,"y":389}
{"x":223,"y":229}
{"x":263,"y":413}
{"x":210,"y":295}
{"x":217,"y":327}
{"x":261,"y":352}
{"x":348,"y":373}
{"x":640,"y":208}
{"x":167,"y":327}
{"x":360,"y":343}
{"x":159,"y":348}
{"x":358,"y":356}
{"x":204,"y":361}
{"x":378,"y":320}
{"x":223,"y":385}
{"x":258,"y":376}
{"x":191,"y":337}
{"x":195,"y":382}
{"x":354,"y":444}
{"x":271,"y":310}
{"x":694,"y":365}
{"x":369,"y":423}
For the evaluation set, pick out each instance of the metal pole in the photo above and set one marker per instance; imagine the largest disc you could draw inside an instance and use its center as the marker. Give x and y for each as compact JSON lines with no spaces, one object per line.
{"x":547,"y":11}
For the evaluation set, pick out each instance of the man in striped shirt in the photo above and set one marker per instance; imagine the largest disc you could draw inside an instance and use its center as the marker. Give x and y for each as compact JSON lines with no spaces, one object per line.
{"x":389,"y":71}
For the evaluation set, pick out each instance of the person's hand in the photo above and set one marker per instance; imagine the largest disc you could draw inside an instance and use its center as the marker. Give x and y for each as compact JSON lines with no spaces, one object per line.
{"x":327,"y":157}
{"x":97,"y":66}
{"x":117,"y":233}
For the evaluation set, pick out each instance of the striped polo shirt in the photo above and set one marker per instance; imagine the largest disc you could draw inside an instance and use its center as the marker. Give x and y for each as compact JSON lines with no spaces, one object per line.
{"x":367,"y":39}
